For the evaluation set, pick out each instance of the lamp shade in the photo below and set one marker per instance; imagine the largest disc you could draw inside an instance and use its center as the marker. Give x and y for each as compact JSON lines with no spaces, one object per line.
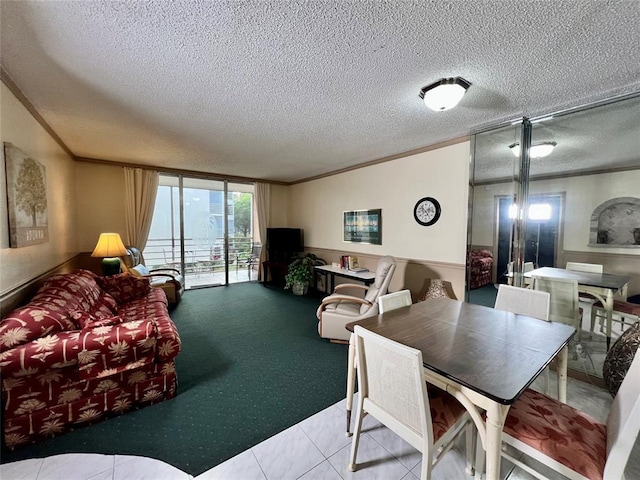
{"x":445,"y":93}
{"x":109,"y":245}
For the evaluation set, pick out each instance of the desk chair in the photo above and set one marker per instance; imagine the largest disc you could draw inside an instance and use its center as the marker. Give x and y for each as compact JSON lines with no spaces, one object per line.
{"x":393,"y":389}
{"x":571,"y":442}
{"x":337,"y":309}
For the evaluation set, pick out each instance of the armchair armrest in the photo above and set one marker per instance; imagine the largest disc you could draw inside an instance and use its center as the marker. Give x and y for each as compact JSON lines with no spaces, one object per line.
{"x":161,"y":270}
{"x":336,"y":298}
{"x":342,"y":286}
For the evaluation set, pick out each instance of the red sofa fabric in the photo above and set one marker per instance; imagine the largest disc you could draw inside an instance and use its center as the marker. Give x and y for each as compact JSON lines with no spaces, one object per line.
{"x":480,"y":263}
{"x":84,"y":348}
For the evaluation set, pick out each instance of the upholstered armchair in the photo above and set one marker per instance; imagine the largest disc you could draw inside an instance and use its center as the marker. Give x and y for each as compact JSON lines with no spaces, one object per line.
{"x":169,"y":279}
{"x":338,"y":309}
{"x":480,"y":263}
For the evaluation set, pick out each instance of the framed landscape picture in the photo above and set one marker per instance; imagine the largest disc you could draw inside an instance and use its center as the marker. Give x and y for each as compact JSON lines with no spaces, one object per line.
{"x":362,"y":226}
{"x":27,"y":198}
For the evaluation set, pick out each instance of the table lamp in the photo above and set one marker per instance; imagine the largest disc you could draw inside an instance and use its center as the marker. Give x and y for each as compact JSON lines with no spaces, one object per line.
{"x":111,"y":248}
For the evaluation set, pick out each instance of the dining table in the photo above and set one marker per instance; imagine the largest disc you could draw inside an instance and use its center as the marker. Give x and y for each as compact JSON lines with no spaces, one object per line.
{"x":484,"y":357}
{"x":603,"y":286}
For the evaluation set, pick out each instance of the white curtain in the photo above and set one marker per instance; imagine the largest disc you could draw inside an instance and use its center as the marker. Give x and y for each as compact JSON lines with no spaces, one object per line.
{"x":263,"y":208}
{"x":141,"y":187}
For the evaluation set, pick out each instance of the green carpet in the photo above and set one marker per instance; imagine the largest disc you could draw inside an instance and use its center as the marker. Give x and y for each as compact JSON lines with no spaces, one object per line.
{"x":252,"y":364}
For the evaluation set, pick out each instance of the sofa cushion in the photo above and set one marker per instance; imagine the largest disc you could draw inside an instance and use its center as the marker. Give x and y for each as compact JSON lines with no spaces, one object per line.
{"x":124,"y":287}
{"x":31,"y":322}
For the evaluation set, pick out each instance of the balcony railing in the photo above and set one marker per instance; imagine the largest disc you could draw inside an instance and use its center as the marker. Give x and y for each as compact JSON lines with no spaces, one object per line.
{"x":199,"y":257}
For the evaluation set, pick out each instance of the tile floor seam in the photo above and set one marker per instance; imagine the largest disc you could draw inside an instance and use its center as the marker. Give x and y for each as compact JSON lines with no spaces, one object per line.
{"x":259,"y":464}
{"x":315,"y":466}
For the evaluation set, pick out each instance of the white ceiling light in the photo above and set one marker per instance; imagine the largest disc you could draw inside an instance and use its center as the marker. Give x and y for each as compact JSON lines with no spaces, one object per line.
{"x":445,"y":93}
{"x":536,"y":151}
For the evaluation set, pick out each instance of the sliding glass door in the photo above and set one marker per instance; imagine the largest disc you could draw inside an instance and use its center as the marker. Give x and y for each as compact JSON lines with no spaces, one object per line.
{"x":204,"y":229}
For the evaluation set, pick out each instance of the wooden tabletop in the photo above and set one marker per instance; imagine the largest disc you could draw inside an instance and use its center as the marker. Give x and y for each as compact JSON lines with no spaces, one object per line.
{"x":602,"y":280}
{"x":495,"y":353}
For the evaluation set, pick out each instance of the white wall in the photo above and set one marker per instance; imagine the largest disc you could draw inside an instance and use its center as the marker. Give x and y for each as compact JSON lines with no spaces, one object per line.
{"x":19,"y":265}
{"x":583,"y":194}
{"x":395,"y":187}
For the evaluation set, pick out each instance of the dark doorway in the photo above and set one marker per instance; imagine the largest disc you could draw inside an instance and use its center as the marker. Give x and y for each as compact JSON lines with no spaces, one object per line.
{"x":541,"y":242}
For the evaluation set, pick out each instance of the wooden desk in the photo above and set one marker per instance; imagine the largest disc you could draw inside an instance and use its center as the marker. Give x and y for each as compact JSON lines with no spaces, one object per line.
{"x":328,"y":270}
{"x":603,"y":286}
{"x":484,"y":357}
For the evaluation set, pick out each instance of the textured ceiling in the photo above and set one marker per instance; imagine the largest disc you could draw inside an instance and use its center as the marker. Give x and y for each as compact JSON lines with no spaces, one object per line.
{"x":289,"y":89}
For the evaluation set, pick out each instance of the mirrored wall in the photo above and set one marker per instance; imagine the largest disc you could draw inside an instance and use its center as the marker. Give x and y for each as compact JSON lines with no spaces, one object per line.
{"x":559,"y":188}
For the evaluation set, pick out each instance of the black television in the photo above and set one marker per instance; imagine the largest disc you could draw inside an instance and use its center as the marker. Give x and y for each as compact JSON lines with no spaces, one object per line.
{"x":284,"y":243}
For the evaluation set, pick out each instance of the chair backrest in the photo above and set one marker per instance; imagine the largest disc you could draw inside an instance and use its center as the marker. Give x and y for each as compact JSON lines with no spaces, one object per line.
{"x":256,"y":249}
{"x":623,"y":422}
{"x":395,"y":300}
{"x":565,"y":305}
{"x":134,"y":258}
{"x":523,"y":301}
{"x":380,"y":286}
{"x":585,"y":267}
{"x":527,"y":267}
{"x":391,"y":382}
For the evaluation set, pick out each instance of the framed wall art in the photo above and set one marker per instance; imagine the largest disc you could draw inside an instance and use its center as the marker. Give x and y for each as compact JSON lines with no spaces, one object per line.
{"x":27,"y":198}
{"x":362,"y":226}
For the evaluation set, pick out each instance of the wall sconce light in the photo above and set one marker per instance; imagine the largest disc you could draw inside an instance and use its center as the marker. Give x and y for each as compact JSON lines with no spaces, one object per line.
{"x":445,"y":93}
{"x":536,"y":151}
{"x":110,"y":248}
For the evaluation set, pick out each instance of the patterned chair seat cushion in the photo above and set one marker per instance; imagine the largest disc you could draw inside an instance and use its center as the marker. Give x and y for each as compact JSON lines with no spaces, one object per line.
{"x":561,"y":432}
{"x":445,"y":411}
{"x":622,"y":307}
{"x":619,"y":358}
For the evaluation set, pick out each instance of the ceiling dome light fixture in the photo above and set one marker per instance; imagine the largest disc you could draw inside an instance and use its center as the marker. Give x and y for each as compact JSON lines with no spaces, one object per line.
{"x":537,"y":151}
{"x":445,"y":93}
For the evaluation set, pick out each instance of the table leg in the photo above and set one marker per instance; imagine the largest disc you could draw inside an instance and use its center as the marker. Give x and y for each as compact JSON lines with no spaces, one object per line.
{"x":351,"y":380}
{"x":496,"y":414}
{"x":561,"y":370}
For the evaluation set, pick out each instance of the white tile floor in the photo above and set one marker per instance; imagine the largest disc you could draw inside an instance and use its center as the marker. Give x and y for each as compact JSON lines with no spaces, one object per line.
{"x":314,"y":449}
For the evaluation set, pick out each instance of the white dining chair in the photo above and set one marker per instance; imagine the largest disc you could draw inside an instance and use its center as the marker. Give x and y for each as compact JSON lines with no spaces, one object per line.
{"x":584,"y":267}
{"x":392,"y":301}
{"x":523,"y":301}
{"x":587,"y":268}
{"x":393,"y":389}
{"x":386,"y":303}
{"x":526,"y":267}
{"x":564,"y":305}
{"x":569,"y":441}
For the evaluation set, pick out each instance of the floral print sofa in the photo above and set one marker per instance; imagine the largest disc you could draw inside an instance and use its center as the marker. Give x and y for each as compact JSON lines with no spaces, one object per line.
{"x":83,"y":349}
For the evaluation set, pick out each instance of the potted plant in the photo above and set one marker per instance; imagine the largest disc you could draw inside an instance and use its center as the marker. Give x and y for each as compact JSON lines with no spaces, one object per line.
{"x":301,"y":272}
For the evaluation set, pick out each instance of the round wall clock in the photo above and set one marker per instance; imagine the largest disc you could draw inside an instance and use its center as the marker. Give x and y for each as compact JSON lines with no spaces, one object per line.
{"x":427,"y":211}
